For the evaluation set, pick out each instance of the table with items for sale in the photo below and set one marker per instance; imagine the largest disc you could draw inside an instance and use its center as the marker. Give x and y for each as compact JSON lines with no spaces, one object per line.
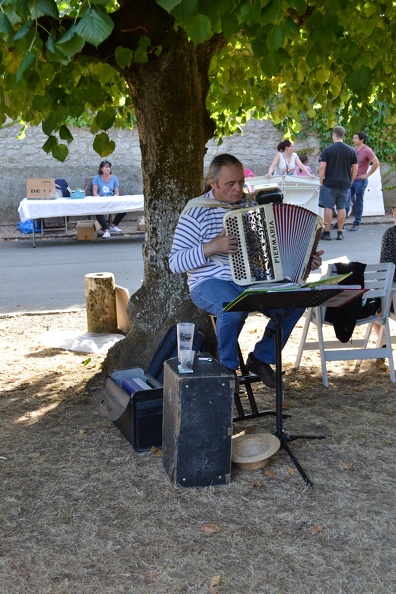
{"x":69,"y":207}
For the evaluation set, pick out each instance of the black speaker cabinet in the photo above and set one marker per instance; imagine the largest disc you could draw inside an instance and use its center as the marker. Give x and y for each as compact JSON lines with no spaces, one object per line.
{"x":197,"y":423}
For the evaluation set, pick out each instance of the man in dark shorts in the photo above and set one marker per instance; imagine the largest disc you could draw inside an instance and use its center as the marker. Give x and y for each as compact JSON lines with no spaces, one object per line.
{"x":337,"y":172}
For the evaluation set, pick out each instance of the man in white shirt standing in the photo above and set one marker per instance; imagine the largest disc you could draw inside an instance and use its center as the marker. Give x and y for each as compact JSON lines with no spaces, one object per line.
{"x":365,"y":156}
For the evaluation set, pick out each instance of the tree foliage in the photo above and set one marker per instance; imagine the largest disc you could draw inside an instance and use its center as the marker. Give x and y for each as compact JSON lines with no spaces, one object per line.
{"x":279,"y":58}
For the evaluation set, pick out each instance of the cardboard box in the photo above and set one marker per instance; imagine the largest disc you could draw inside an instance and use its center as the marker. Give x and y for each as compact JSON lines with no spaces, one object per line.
{"x":87,"y":230}
{"x":40,"y":188}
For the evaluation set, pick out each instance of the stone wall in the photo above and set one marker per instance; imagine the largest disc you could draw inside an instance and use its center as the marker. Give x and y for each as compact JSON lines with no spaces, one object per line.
{"x":24,"y":158}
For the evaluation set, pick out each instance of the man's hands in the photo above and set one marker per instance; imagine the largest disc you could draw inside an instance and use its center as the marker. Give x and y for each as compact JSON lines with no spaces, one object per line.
{"x":221,"y":244}
{"x":317,"y":260}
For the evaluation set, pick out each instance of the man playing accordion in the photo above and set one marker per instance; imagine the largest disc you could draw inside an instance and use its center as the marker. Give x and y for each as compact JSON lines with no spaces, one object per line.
{"x":200,"y":248}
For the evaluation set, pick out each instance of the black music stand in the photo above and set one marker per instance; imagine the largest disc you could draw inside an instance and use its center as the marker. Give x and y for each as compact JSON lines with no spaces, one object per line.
{"x":278,"y":301}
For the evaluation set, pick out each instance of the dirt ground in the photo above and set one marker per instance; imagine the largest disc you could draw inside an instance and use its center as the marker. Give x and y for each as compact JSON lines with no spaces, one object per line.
{"x":83,"y":513}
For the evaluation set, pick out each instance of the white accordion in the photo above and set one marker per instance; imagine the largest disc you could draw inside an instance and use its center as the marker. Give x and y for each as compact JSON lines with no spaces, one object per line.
{"x":276,"y":242}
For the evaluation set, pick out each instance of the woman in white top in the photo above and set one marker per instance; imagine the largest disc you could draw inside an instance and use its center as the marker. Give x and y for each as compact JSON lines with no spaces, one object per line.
{"x":286,"y":161}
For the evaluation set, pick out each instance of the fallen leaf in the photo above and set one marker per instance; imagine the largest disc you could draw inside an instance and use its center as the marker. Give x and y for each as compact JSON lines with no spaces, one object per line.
{"x":156,"y":452}
{"x":285,"y":406}
{"x":270,"y":473}
{"x":316,"y":529}
{"x":256,"y":485}
{"x":290,"y":471}
{"x":34,"y":455}
{"x":211,"y":528}
{"x":86,"y":361}
{"x":346,"y":465}
{"x":216,"y":581}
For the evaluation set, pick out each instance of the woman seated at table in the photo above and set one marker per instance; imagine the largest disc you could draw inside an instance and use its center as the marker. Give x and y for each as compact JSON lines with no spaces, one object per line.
{"x":107,"y":184}
{"x":286,"y":161}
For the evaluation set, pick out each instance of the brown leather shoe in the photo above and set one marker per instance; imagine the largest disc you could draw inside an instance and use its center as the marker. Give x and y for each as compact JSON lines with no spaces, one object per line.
{"x":263,"y":370}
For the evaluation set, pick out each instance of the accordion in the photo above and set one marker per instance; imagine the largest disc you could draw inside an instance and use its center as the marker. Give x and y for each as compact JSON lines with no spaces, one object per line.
{"x":276,"y":242}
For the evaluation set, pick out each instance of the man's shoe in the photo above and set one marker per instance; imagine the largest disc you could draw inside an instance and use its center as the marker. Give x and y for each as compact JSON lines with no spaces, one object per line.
{"x":325,"y":235}
{"x":115,"y":230}
{"x":340,"y":235}
{"x":263,"y":370}
{"x":234,"y":372}
{"x":106,"y":234}
{"x":354,"y":227}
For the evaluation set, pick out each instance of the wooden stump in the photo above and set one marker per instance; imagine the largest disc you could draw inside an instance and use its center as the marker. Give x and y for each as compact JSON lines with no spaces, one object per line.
{"x":101,"y":302}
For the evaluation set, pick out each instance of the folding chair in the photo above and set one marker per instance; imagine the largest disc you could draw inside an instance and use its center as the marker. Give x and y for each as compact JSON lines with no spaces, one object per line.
{"x":378,"y":279}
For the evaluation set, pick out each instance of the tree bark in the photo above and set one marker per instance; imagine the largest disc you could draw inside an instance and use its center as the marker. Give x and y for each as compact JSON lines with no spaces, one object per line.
{"x":169,"y":95}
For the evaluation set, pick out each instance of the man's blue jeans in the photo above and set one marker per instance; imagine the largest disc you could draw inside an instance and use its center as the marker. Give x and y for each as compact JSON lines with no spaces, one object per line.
{"x":210,"y":295}
{"x":357,"y":191}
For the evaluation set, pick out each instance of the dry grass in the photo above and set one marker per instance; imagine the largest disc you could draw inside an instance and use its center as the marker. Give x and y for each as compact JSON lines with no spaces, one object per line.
{"x":83,"y":513}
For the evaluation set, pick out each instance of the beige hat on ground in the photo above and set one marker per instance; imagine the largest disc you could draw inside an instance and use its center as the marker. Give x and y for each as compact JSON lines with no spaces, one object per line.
{"x":254,"y":450}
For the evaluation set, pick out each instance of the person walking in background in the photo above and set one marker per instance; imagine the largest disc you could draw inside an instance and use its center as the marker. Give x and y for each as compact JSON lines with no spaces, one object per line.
{"x":337,"y":171}
{"x":286,"y":161}
{"x":106,"y":184}
{"x":365,"y":156}
{"x":304,"y":161}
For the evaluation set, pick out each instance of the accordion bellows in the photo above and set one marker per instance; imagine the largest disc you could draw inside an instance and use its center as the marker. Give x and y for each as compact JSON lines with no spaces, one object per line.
{"x":276,"y":242}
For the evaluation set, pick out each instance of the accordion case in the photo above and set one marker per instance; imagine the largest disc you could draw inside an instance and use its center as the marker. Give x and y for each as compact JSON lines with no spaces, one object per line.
{"x":275,"y":242}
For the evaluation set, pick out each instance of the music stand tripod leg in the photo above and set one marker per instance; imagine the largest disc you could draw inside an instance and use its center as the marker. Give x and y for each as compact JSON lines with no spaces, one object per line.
{"x":283,"y":437}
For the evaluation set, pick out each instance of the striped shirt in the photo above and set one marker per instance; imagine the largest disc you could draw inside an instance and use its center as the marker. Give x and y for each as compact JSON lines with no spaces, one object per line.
{"x":196,"y":227}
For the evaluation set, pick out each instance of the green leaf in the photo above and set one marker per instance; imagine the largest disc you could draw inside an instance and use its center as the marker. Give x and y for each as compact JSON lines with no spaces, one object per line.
{"x":60,"y":152}
{"x":184,"y":10}
{"x":103,"y":145}
{"x":322,"y":75}
{"x":49,"y":144}
{"x":70,"y":44}
{"x":359,"y":79}
{"x":41,"y":103}
{"x":22,"y":31}
{"x":5,"y":24}
{"x":198,"y":28}
{"x":269,"y":66}
{"x":105,"y":119}
{"x":275,"y":39}
{"x":95,"y":26}
{"x":45,"y":8}
{"x":230,"y":25}
{"x":299,"y":5}
{"x":28,"y":61}
{"x":123,"y":56}
{"x":86,"y":361}
{"x":168,"y":5}
{"x":65,"y":134}
{"x":271,"y":15}
{"x":140,"y":56}
{"x":250,"y":13}
{"x":48,"y":125}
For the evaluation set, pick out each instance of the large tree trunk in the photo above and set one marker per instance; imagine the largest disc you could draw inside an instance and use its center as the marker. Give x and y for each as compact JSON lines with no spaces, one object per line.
{"x":169,"y":97}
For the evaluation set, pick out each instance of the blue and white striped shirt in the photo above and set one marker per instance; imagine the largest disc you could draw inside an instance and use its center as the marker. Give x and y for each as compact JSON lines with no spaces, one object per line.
{"x":196,"y":227}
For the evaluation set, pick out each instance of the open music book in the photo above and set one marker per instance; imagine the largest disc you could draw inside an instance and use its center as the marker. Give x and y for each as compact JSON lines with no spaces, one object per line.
{"x":328,"y":293}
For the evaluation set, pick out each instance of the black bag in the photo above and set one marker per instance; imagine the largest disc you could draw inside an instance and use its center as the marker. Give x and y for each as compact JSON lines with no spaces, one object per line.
{"x":271,"y":195}
{"x":167,"y":349}
{"x":344,"y":318}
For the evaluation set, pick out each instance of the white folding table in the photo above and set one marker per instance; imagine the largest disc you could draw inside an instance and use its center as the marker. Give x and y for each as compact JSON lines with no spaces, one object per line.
{"x":77,"y":207}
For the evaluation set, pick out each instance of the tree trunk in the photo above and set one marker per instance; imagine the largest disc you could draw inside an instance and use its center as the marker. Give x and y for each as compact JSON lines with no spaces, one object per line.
{"x":169,"y":96}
